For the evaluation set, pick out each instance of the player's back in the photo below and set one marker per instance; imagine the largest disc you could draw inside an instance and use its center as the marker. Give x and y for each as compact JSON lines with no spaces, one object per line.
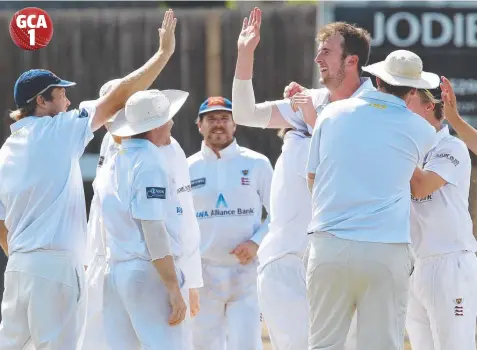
{"x":41,"y":185}
{"x":369,"y":147}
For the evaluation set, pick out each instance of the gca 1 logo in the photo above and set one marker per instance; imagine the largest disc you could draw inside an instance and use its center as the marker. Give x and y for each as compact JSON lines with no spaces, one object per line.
{"x":460,"y":29}
{"x":31,"y":28}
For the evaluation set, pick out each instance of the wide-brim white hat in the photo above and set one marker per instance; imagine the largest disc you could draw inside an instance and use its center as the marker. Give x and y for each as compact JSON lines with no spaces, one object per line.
{"x":403,"y":68}
{"x":148,"y":110}
{"x":107,"y":87}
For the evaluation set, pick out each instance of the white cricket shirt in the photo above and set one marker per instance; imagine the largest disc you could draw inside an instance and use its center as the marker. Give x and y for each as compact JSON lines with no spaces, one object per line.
{"x":290,"y":201}
{"x":136,"y":185}
{"x":363,"y":153}
{"x":441,"y":222}
{"x":320,"y":98}
{"x":41,"y":187}
{"x":95,"y":239}
{"x":191,"y":260}
{"x":229,"y":193}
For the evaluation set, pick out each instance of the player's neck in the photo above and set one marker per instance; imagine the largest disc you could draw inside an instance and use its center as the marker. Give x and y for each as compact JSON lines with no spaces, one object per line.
{"x":217,"y":148}
{"x":348,"y":87}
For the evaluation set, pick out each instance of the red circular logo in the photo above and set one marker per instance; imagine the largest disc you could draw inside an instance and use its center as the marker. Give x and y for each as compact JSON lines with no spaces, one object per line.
{"x":31,"y":28}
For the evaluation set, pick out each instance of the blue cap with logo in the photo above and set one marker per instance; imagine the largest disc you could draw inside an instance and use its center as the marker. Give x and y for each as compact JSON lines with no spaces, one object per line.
{"x":35,"y":82}
{"x":217,"y":103}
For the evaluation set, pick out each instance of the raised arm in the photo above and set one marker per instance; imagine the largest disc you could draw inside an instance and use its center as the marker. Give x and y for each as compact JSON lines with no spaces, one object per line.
{"x":140,"y":79}
{"x":466,"y":132}
{"x":245,"y":110}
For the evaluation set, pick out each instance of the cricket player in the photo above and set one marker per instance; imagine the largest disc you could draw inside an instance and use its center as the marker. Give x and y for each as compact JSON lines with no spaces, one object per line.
{"x":93,"y":332}
{"x":230,"y":185}
{"x":144,"y":301}
{"x":443,"y":291}
{"x":281,"y":278}
{"x":42,"y":207}
{"x":363,"y":153}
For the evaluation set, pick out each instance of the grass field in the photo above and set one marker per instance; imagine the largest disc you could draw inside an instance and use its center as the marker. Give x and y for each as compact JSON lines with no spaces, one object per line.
{"x":267,"y":346}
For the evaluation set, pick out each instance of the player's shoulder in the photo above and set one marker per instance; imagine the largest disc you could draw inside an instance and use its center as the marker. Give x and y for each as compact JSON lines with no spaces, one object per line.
{"x":253,"y":156}
{"x":452,"y":143}
{"x":195,"y":158}
{"x":319,"y":96}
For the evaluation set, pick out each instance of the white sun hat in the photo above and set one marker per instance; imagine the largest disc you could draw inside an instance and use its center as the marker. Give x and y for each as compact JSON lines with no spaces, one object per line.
{"x":148,"y":110}
{"x":107,"y":87}
{"x":403,"y":68}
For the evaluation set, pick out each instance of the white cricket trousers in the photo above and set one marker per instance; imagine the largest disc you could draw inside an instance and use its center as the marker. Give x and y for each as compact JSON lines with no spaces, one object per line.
{"x":41,"y":302}
{"x":282,"y":297}
{"x":93,"y":337}
{"x":229,"y":316}
{"x":371,"y":278}
{"x":443,"y":302}
{"x":136,"y":308}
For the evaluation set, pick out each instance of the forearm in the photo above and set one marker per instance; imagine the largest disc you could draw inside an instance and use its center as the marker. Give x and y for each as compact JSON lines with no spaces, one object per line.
{"x":142,"y":78}
{"x":158,"y":245}
{"x":466,"y":132}
{"x":3,"y":237}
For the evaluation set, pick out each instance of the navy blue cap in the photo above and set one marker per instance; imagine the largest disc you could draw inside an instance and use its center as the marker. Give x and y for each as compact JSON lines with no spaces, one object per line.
{"x":217,"y":103}
{"x":35,"y":82}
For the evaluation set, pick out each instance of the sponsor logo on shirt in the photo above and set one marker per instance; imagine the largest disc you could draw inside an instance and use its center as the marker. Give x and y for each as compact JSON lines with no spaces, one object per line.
{"x":156,"y":192}
{"x":197,"y":183}
{"x":245,"y":181}
{"x":179,"y":211}
{"x":186,"y":188}
{"x":427,"y":198}
{"x":222,"y":210}
{"x":449,"y":157}
{"x":100,"y":161}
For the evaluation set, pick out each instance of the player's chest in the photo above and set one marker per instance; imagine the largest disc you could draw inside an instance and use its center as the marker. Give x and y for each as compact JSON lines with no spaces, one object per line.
{"x":220,"y":176}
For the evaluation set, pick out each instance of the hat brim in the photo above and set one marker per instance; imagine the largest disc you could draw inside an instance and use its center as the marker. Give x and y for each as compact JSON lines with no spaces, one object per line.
{"x":427,"y":80}
{"x":215,"y":108}
{"x":122,"y":128}
{"x":121,"y":114}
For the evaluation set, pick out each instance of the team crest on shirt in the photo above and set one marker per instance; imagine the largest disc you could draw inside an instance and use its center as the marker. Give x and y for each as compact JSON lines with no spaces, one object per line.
{"x":459,"y":307}
{"x":245,"y":181}
{"x":83,"y":113}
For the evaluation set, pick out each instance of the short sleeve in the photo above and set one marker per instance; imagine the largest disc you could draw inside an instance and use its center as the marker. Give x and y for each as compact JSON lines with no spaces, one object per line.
{"x":293,"y":118}
{"x":2,"y":211}
{"x":150,"y":195}
{"x":76,"y":126}
{"x":314,"y":151}
{"x":449,"y":161}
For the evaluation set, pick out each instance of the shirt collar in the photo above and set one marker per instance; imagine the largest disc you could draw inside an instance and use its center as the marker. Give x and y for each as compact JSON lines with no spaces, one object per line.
{"x":294,"y":134}
{"x":229,"y":151}
{"x":21,"y":123}
{"x":382,"y":96}
{"x":134,"y":143}
{"x":444,"y":132}
{"x":366,"y":84}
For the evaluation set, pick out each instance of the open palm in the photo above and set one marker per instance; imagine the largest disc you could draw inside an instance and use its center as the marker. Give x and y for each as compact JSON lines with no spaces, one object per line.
{"x":250,"y":35}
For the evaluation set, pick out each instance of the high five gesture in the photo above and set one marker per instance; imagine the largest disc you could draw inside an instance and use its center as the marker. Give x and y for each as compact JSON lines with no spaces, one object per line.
{"x":250,"y":35}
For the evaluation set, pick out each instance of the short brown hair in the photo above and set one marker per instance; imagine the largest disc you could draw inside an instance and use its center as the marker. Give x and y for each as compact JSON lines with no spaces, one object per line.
{"x":356,"y":40}
{"x":427,"y":97}
{"x":398,"y":91}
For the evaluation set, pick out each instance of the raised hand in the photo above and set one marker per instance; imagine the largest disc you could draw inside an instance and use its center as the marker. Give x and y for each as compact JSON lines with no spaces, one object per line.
{"x":167,"y":33}
{"x":449,"y":99}
{"x":291,"y":89}
{"x":250,"y":35}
